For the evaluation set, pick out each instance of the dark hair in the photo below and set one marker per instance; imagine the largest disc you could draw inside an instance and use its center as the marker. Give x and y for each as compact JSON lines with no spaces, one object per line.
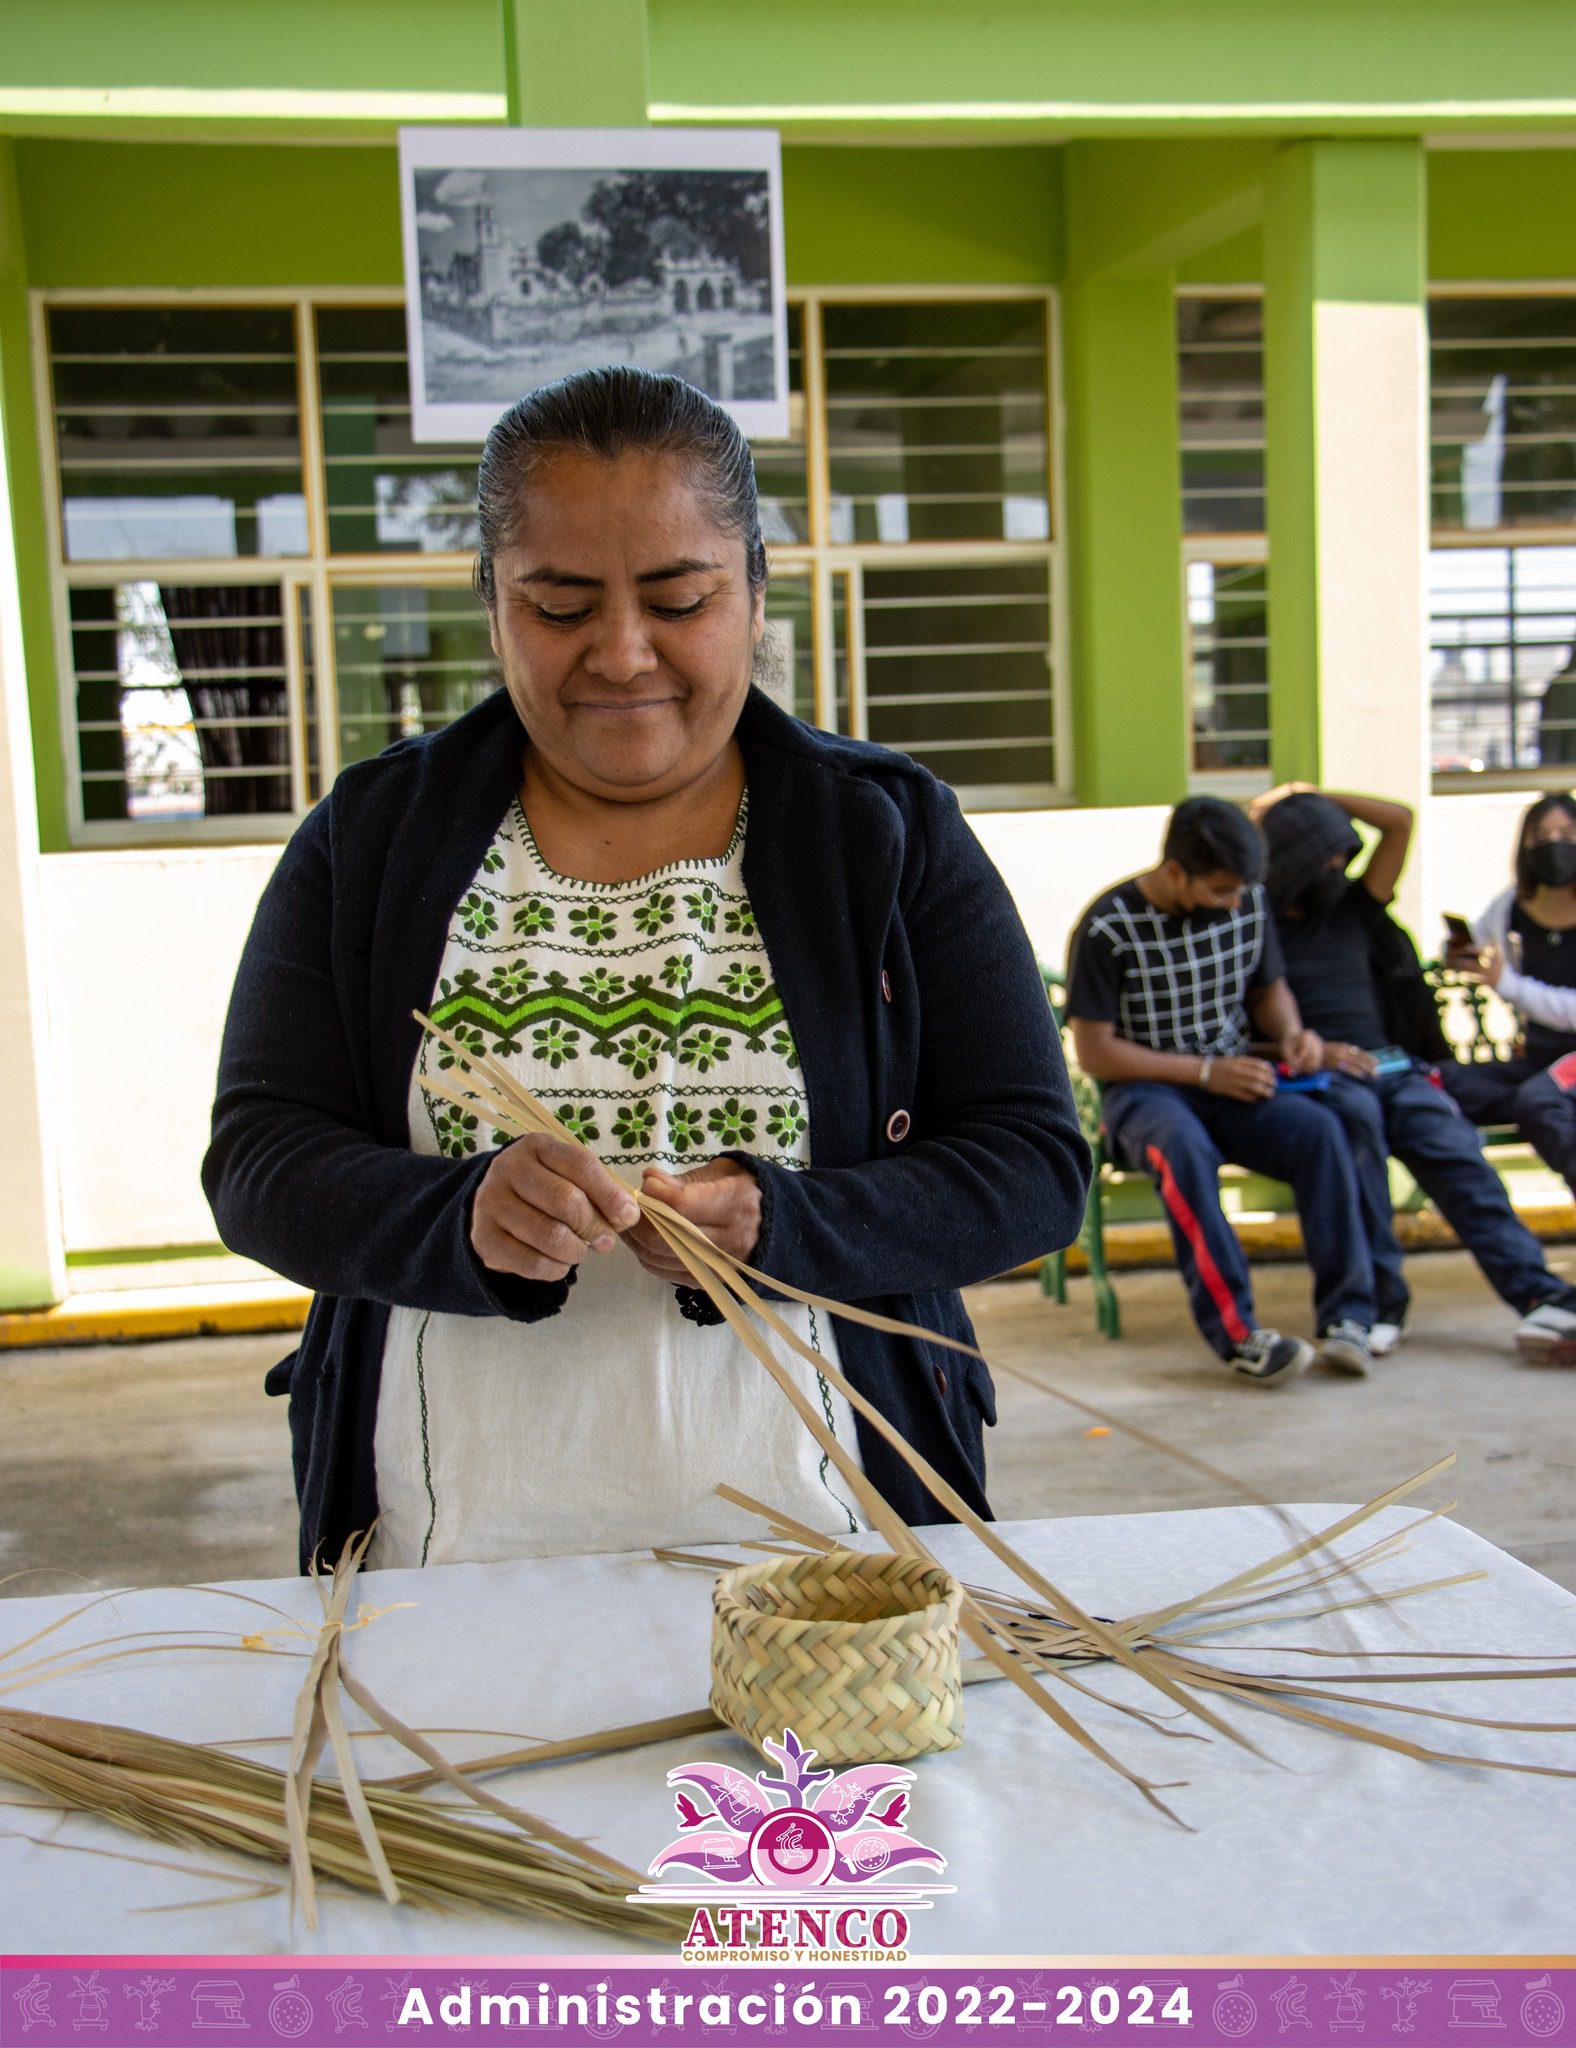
{"x":1208,"y":836}
{"x":607,"y":412}
{"x":1526,"y":881}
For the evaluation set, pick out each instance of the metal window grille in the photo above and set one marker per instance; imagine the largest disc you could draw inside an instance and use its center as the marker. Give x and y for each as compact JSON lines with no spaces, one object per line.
{"x":261,"y":576}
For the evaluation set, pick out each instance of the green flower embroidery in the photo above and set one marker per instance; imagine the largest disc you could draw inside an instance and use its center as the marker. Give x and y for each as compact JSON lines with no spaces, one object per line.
{"x":456,"y":1130}
{"x":784,"y":1047}
{"x":580,"y":1119}
{"x":593,"y":923}
{"x":492,"y":861}
{"x":702,"y":907}
{"x":511,"y":981}
{"x":634,"y":1124}
{"x":685,"y":1132}
{"x":555,"y":1043}
{"x":743,"y":981}
{"x":732,"y":1123}
{"x":469,"y":1036}
{"x":534,"y":916}
{"x":786,"y":1124}
{"x":740,"y":921}
{"x":676,"y":971}
{"x":640,"y":1052}
{"x":704,"y":1049}
{"x":601,"y":985}
{"x":479,"y":916}
{"x":653,"y":914}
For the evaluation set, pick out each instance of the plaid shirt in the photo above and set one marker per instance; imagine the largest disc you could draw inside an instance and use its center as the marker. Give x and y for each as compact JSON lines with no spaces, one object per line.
{"x":1175,"y":984}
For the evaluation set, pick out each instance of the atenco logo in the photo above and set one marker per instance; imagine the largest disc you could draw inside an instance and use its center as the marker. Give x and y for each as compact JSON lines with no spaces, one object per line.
{"x":801,"y":1866}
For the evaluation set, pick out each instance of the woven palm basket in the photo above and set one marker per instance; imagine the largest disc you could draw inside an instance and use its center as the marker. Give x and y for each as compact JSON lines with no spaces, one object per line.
{"x":856,"y":1653}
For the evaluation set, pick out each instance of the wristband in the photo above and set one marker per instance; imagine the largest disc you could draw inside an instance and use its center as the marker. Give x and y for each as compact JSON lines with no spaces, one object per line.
{"x":1206,"y":1067}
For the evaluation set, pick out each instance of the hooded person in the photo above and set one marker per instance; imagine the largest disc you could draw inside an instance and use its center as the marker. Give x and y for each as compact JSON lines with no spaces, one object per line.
{"x":1357,"y":982}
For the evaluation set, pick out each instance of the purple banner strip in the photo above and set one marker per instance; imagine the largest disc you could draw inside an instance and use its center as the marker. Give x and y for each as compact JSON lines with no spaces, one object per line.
{"x":196,"y":2003}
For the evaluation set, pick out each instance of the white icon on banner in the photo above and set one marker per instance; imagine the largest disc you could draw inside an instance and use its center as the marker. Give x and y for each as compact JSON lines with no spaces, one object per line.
{"x":148,"y":1995}
{"x":1542,"y":2010}
{"x":32,"y":2003}
{"x":344,"y":2002}
{"x":218,"y":2005}
{"x":1289,"y":2008}
{"x":92,"y":2004}
{"x":1403,"y":1996}
{"x":1234,"y":2011}
{"x":289,"y":2010}
{"x":1348,"y":2003}
{"x":1474,"y":2002}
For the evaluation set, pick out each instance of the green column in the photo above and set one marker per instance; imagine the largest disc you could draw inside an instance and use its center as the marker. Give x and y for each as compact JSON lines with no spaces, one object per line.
{"x":585,"y":65}
{"x":32,"y":1261}
{"x":1346,"y":389}
{"x":1124,"y":538}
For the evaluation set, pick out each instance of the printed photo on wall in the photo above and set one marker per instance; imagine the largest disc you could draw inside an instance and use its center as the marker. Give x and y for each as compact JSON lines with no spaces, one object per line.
{"x":532,"y":252}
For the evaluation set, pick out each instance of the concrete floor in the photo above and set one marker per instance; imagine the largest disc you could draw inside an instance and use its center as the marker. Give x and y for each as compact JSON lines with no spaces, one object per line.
{"x":148,"y":1463}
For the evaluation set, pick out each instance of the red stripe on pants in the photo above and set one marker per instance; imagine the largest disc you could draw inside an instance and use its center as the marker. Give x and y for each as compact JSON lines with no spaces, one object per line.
{"x":1184,"y":1219}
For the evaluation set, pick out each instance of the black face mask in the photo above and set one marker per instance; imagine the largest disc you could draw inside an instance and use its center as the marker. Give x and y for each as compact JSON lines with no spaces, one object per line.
{"x":1323,"y":892}
{"x":1553,"y":863}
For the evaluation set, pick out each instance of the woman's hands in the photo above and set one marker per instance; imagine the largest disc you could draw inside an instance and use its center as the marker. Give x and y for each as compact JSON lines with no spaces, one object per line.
{"x":541,"y":1204}
{"x":722,"y":1198}
{"x":544,"y":1202}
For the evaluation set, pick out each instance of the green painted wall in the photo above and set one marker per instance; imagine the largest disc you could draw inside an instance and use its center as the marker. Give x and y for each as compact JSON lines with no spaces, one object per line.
{"x":861,"y":58}
{"x":1502,"y":213}
{"x":249,"y":214}
{"x":256,"y":45}
{"x":922,"y":216}
{"x":25,"y":483}
{"x":1055,"y":66}
{"x":1493,"y":215}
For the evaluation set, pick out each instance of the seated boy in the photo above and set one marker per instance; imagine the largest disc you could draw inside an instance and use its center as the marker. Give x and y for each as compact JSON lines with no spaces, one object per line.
{"x":1166,"y":972}
{"x":1353,"y":984}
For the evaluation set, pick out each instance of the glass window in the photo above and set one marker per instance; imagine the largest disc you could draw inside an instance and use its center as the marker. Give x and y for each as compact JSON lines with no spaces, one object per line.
{"x":408,"y":658}
{"x":957,"y":669}
{"x":181,"y":436}
{"x":780,"y":472}
{"x":1503,"y":658}
{"x":1220,"y":372}
{"x":178,"y":432}
{"x":385,"y":495}
{"x":936,"y":421}
{"x":1228,"y":639}
{"x":1503,"y":411}
{"x":182,"y":700}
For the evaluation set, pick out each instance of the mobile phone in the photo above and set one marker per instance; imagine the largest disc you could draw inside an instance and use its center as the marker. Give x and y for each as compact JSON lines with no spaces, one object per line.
{"x":1458,"y":928}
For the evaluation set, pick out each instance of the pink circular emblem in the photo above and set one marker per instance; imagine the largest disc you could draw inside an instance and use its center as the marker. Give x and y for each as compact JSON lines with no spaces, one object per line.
{"x":792,"y":1847}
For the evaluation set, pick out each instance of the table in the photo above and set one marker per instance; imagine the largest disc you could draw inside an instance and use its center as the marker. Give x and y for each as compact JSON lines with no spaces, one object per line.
{"x":1333,"y":1848}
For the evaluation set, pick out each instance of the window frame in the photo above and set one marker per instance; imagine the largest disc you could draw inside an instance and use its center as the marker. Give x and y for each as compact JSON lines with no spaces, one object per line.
{"x":1233,"y":551}
{"x":1225,"y":546}
{"x":321,"y":572}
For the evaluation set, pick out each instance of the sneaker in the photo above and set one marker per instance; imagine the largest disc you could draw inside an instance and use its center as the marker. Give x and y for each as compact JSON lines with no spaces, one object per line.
{"x":1384,"y":1338}
{"x":1269,"y":1359}
{"x":1546,"y":1335}
{"x":1346,"y":1347}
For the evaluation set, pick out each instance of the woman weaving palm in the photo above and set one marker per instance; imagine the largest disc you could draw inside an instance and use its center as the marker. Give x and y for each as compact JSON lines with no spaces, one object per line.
{"x":770,"y":969}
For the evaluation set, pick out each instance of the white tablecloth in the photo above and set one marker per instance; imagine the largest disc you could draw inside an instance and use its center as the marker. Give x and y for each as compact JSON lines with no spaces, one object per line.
{"x":1333,"y":1848}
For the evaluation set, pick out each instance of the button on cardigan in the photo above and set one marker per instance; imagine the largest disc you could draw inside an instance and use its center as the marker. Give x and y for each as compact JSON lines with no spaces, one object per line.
{"x":863,"y":875}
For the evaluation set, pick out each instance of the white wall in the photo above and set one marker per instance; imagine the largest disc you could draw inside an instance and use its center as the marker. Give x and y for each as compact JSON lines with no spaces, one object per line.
{"x":141,"y":948}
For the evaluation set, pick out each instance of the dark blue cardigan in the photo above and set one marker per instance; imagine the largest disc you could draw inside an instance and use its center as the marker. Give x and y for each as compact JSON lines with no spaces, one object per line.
{"x":864,"y":879}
